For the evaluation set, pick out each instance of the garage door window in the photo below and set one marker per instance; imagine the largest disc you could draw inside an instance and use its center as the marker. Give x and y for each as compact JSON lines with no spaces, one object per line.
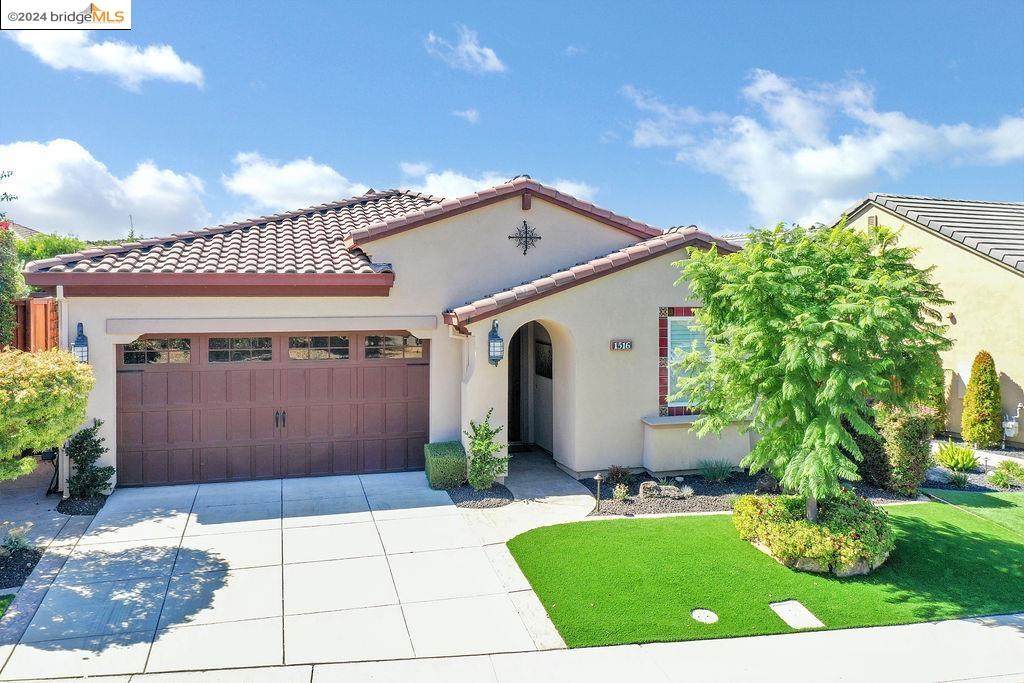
{"x":318,"y":348}
{"x":144,"y":351}
{"x":239,"y":349}
{"x":393,"y":346}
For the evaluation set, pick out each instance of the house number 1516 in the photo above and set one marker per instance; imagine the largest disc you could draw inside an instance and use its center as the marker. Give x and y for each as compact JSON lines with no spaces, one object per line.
{"x":622,"y":344}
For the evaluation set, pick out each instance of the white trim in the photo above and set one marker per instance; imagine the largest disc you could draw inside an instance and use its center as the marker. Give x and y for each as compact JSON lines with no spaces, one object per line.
{"x":139,"y":326}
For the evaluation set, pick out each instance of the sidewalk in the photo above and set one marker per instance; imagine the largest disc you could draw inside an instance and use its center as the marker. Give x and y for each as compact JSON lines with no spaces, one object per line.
{"x":986,"y":649}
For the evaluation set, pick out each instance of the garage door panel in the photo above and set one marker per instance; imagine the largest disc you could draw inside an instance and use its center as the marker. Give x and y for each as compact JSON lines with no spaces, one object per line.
{"x":213,"y":464}
{"x":214,"y":421}
{"x":154,"y":428}
{"x":345,"y":457}
{"x":154,"y":389}
{"x":214,"y":425}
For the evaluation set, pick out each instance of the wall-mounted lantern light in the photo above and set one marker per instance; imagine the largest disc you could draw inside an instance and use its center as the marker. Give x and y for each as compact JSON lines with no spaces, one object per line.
{"x":495,"y":345}
{"x":80,"y":347}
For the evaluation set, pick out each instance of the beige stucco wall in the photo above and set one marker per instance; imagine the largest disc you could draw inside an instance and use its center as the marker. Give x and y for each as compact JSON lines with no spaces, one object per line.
{"x":671,"y":445}
{"x":987,"y":310}
{"x":437,"y":266}
{"x":600,"y":396}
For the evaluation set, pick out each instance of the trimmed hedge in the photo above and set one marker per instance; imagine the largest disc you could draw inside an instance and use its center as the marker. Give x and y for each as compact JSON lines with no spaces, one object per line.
{"x":445,"y":464}
{"x":907,"y":436}
{"x":982,"y":419}
{"x":852,"y":536}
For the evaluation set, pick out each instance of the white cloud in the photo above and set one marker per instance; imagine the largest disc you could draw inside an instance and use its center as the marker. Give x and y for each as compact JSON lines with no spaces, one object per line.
{"x":275,"y":186}
{"x":574,"y":51}
{"x":468,"y":54}
{"x":62,"y":188}
{"x":805,"y":153}
{"x":451,"y":184}
{"x":470,"y":115}
{"x":130,"y":64}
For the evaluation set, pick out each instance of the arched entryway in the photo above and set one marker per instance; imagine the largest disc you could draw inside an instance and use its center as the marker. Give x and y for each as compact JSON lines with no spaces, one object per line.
{"x":531,"y":362}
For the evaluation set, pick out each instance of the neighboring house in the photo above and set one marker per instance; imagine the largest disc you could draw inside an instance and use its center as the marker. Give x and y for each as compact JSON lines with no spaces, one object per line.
{"x":977,"y":249}
{"x":338,"y":338}
{"x":22,"y":232}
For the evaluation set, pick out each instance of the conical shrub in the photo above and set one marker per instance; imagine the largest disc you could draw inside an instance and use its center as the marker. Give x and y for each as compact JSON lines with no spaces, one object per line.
{"x":981,"y":424}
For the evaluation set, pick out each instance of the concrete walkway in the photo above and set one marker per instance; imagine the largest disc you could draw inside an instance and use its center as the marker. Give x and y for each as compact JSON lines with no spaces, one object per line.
{"x":292,"y":571}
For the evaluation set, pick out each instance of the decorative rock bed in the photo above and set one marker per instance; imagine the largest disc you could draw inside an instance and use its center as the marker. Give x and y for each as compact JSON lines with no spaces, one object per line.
{"x":466,"y":496}
{"x":707,"y":496}
{"x":15,"y":566}
{"x":81,"y":506}
{"x":977,"y":481}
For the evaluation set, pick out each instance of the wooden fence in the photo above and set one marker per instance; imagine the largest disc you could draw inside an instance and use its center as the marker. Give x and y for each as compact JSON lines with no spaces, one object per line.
{"x":36,"y":328}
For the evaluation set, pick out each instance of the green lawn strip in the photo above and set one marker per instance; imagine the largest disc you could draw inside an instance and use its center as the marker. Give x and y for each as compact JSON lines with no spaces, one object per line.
{"x":1005,"y":509}
{"x":636,"y":581}
{"x":5,"y":602}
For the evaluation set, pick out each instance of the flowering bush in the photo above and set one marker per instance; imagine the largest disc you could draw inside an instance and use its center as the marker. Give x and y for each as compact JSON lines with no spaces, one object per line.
{"x":42,"y":402}
{"x":852,"y":536}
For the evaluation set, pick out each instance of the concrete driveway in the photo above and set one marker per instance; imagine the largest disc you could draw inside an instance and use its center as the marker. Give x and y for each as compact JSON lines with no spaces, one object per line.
{"x":290,"y":571}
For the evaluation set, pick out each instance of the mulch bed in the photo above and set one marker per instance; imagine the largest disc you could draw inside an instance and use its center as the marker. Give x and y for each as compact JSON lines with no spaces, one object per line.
{"x":708,"y":496}
{"x":17,"y":565}
{"x":466,"y":496}
{"x":81,"y":506}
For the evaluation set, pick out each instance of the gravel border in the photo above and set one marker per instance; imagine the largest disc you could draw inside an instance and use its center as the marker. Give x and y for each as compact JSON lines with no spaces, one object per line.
{"x":466,"y":496}
{"x":16,"y":566}
{"x":81,"y":506}
{"x":708,"y":496}
{"x":977,"y":481}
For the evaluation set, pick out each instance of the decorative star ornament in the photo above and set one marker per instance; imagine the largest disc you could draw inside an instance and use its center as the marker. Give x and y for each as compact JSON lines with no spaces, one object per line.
{"x":525,"y":237}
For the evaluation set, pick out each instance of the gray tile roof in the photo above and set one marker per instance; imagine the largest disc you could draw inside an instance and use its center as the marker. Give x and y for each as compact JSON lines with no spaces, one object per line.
{"x":21,"y":231}
{"x":995,"y":229}
{"x":310,"y":240}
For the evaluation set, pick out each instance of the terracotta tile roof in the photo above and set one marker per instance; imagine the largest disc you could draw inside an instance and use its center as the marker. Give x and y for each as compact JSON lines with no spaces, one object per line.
{"x":670,"y":240}
{"x":993,"y":229}
{"x":310,"y":240}
{"x":517,"y":186}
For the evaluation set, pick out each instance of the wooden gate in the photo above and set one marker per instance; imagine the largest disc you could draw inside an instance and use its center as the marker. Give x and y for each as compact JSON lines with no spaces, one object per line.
{"x":36,"y":327}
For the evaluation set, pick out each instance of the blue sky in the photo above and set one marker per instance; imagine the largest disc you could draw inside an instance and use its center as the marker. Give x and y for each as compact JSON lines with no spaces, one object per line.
{"x":720,"y":114}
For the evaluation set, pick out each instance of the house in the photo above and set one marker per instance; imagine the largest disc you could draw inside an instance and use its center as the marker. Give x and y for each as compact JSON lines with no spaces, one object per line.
{"x":22,"y":232}
{"x":340,"y":338}
{"x":977,"y":250}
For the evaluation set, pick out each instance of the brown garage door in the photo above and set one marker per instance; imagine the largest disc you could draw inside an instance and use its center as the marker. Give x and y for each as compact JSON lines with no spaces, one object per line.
{"x":200,"y":408}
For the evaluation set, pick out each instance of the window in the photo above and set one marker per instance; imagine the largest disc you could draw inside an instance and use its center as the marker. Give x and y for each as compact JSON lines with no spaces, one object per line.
{"x":318,"y":348}
{"x":682,"y":339}
{"x":146,"y":351}
{"x":239,"y":349}
{"x":393,"y":346}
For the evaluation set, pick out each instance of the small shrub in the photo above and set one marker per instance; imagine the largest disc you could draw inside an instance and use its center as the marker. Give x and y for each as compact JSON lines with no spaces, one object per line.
{"x":851,"y":533}
{"x":617,"y":474}
{"x":686,"y":491}
{"x":16,"y":541}
{"x":84,"y":449}
{"x":958,"y":479}
{"x":1013,"y":469}
{"x":620,"y":492}
{"x":981,"y":423}
{"x":906,"y":435}
{"x":715,"y":470}
{"x":484,"y":467}
{"x":957,"y":457}
{"x":1001,"y":479}
{"x":445,"y":464}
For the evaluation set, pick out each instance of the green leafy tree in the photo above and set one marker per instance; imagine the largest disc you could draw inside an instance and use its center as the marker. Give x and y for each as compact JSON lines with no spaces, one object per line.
{"x":981,"y":423}
{"x":43,"y":246}
{"x":806,"y":328}
{"x":11,"y":283}
{"x":84,"y":449}
{"x":484,"y":467}
{"x":43,"y":399}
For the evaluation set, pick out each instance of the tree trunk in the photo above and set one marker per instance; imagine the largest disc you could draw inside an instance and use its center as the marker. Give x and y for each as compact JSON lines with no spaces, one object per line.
{"x":812,"y":509}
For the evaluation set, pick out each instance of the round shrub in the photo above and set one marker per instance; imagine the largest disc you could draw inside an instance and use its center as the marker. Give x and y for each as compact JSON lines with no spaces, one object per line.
{"x":957,"y":457}
{"x":852,"y":536}
{"x":982,"y":419}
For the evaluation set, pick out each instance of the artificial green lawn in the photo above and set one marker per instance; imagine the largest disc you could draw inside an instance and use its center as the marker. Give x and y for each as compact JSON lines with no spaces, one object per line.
{"x":5,"y":602}
{"x":1005,"y":509}
{"x":636,"y":581}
